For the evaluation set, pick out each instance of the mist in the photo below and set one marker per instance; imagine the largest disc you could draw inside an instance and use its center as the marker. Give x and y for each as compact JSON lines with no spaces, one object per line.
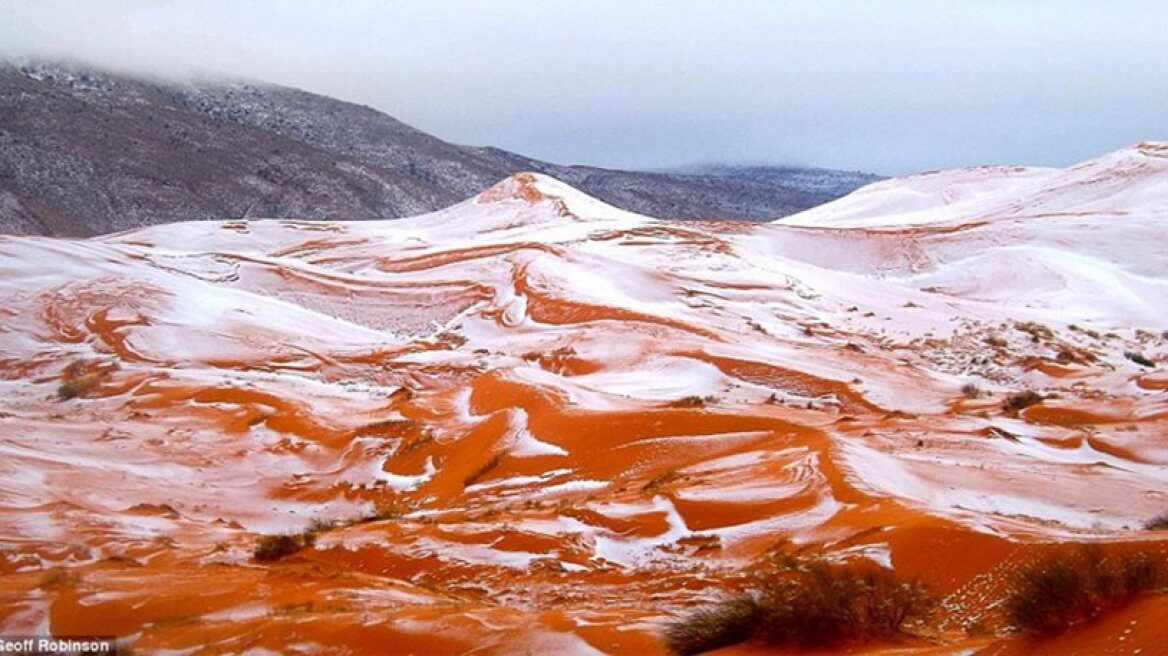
{"x":890,"y":87}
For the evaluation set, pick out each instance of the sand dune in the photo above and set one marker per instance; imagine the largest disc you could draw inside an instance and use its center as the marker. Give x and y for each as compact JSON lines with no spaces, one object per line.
{"x":560,"y":423}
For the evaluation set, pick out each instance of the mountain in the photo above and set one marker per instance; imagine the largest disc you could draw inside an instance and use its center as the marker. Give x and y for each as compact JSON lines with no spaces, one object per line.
{"x":534,"y":419}
{"x":84,"y":152}
{"x":826,"y":181}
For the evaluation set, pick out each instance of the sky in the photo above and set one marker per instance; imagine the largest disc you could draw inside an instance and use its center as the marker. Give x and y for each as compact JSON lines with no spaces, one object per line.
{"x":877,"y":85}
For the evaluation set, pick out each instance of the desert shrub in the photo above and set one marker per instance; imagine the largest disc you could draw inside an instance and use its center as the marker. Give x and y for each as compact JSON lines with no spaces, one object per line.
{"x":1047,"y":595}
{"x":971,"y":391}
{"x":81,"y":377}
{"x":996,"y":341}
{"x":1139,"y":359}
{"x":320,"y":525}
{"x":1058,"y":592}
{"x":1021,"y":400}
{"x":693,"y":402}
{"x":726,"y":623}
{"x":71,"y":388}
{"x":393,"y":509}
{"x":1037,"y":331}
{"x":1157,"y":523}
{"x":1137,"y":574}
{"x":484,"y":469}
{"x":805,"y":603}
{"x":275,"y":547}
{"x":68,"y":390}
{"x":826,"y":603}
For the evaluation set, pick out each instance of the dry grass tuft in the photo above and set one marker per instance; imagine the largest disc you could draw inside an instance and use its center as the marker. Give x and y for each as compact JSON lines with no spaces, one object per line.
{"x":807,"y":603}
{"x":275,"y":547}
{"x":1157,"y":523}
{"x":1058,"y":592}
{"x":1022,"y":400}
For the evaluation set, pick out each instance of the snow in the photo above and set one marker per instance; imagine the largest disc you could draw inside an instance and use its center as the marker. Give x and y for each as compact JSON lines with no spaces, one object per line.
{"x":658,"y":377}
{"x":1128,"y":181}
{"x":630,"y":552}
{"x":523,"y":443}
{"x":263,"y":372}
{"x":923,"y":198}
{"x":404,"y":482}
{"x":1022,"y":484}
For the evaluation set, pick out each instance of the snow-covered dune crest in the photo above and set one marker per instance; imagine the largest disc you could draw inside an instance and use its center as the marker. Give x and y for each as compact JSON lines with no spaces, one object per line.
{"x":1132,"y":181}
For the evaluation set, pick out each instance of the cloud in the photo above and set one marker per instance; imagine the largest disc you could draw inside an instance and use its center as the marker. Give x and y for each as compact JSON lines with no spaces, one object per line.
{"x":883,"y":85}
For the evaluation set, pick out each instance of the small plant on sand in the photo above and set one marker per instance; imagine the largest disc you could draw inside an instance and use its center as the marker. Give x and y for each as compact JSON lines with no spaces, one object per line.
{"x":71,"y":388}
{"x":1058,"y":592}
{"x":1157,"y":523}
{"x":1037,"y":331}
{"x":477,"y":475}
{"x":68,"y":390}
{"x":81,"y":377}
{"x":806,"y":603}
{"x":1021,"y":400}
{"x":275,"y":547}
{"x":996,"y":341}
{"x":1139,"y":359}
{"x":693,"y":402}
{"x":729,"y":622}
{"x":320,"y":525}
{"x":971,"y":391}
{"x":392,"y":509}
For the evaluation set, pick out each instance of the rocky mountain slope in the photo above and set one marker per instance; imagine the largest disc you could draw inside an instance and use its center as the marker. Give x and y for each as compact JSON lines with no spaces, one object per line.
{"x":84,"y":153}
{"x":534,"y":421}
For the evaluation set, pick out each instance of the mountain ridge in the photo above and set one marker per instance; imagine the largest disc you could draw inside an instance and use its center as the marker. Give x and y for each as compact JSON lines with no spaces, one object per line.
{"x":84,"y":152}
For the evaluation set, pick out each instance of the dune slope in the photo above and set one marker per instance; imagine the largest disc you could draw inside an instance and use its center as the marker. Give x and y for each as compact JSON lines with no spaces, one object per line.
{"x":533,"y":422}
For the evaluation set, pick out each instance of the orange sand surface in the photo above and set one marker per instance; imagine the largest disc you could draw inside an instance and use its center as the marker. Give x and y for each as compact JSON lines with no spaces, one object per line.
{"x":538,"y":437}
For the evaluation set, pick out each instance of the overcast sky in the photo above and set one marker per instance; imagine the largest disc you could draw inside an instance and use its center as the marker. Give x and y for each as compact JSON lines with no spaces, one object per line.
{"x":876,"y":85}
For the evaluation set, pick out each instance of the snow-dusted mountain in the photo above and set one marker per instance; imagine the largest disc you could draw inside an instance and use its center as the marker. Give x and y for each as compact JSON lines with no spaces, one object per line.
{"x":84,"y":152}
{"x":827,"y":181}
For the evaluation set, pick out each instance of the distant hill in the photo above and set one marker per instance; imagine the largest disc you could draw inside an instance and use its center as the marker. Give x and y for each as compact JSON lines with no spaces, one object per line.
{"x":825,"y":181}
{"x":84,"y":152}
